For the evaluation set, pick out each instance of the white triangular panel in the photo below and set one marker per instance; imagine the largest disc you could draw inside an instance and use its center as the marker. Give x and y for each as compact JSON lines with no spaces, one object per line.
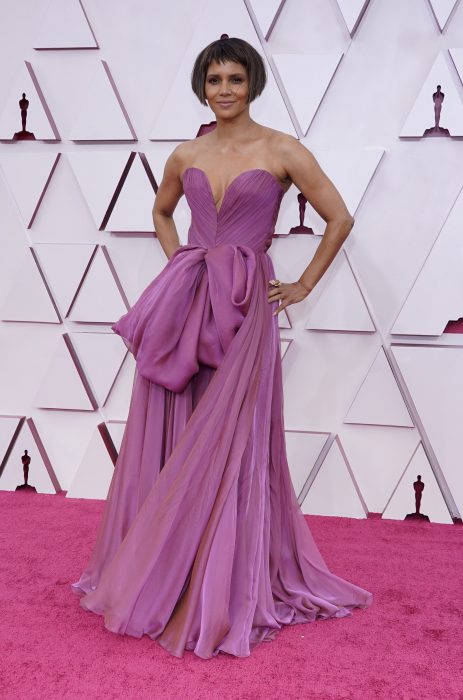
{"x":181,"y":113}
{"x":338,"y":305}
{"x":457,"y":57}
{"x":65,"y":26}
{"x":421,"y":116}
{"x":98,"y":174}
{"x":306,"y":78}
{"x":403,"y":499}
{"x":379,"y":400}
{"x":28,"y":299}
{"x":117,"y":406}
{"x":55,"y":258}
{"x":66,"y":434}
{"x":340,"y":165}
{"x":116,"y":431}
{"x":352,"y":11}
{"x":157,"y":156}
{"x":101,"y":356}
{"x":302,"y":449}
{"x":378,"y":457}
{"x":101,"y":115}
{"x":61,"y":385}
{"x":99,"y":299}
{"x":8,"y":426}
{"x":433,"y":377}
{"x":95,"y":472}
{"x":27,"y":176}
{"x":284,"y":346}
{"x":442,"y":10}
{"x":13,"y":474}
{"x":134,"y":205}
{"x":266,"y":12}
{"x":437,"y":295}
{"x":137,"y":260}
{"x":283,"y":319}
{"x":333,"y":492}
{"x":39,"y":120}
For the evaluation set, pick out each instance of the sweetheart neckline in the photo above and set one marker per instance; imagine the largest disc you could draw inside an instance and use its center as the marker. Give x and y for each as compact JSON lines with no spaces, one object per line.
{"x":243,"y":172}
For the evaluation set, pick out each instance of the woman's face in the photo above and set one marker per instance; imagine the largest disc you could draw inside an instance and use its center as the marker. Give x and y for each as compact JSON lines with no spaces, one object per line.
{"x":227,"y":88}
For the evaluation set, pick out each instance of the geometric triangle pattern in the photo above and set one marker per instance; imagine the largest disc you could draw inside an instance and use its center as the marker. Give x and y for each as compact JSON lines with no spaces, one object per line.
{"x":352,"y":12}
{"x":99,"y":175}
{"x":378,"y":400}
{"x":99,"y":299}
{"x":284,"y":346}
{"x":437,"y":294}
{"x":317,"y":71}
{"x":402,"y":500}
{"x":27,"y":176}
{"x":32,"y":116}
{"x":266,"y":13}
{"x":457,"y":58}
{"x":422,"y":115}
{"x":10,"y":427}
{"x":303,"y":450}
{"x":28,"y":298}
{"x":72,"y":257}
{"x":94,"y":473}
{"x":41,"y":474}
{"x":101,"y":356}
{"x":333,"y":490}
{"x":101,"y":115}
{"x":63,"y":385}
{"x":117,"y":404}
{"x":341,"y":164}
{"x":432,"y":375}
{"x":65,"y":25}
{"x":338,"y":303}
{"x":378,"y":457}
{"x":134,"y":261}
{"x":137,"y":189}
{"x":116,"y":433}
{"x":283,"y":319}
{"x":442,"y":9}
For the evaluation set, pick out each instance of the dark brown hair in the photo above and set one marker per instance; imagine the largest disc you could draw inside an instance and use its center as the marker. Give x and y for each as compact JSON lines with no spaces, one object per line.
{"x":229,"y":49}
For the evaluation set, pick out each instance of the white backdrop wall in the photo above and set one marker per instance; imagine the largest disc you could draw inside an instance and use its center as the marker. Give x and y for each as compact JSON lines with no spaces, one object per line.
{"x":372,"y":376}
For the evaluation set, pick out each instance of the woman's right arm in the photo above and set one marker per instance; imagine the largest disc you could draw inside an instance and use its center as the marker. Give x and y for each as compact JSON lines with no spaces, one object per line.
{"x":169,"y":192}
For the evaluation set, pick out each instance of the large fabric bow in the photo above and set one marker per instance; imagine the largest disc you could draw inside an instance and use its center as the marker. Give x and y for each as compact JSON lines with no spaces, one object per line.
{"x":190,"y":312}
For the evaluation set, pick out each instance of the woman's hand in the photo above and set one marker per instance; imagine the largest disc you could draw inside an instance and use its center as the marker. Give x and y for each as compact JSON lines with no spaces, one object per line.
{"x":288,"y":294}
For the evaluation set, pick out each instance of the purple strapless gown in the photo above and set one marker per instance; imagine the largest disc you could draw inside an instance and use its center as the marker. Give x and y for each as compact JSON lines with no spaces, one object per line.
{"x":202,"y":544}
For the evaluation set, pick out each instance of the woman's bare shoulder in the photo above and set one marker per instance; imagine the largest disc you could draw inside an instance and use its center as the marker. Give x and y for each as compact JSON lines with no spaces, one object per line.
{"x":283,"y":143}
{"x":186,"y":152}
{"x":181,"y":153}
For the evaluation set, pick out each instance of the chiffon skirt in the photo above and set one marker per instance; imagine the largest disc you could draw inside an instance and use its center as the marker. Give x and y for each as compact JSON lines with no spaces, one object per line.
{"x":202,"y":545}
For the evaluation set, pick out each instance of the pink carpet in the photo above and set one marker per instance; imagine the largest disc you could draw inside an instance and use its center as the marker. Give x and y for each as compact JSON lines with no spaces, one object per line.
{"x":407,"y":646}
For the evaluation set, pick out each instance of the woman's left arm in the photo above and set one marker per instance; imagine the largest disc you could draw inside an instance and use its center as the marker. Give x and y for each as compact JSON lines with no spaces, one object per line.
{"x":305,"y":172}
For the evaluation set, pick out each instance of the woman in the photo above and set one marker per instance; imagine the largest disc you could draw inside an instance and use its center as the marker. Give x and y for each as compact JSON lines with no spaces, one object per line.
{"x":202,"y":544}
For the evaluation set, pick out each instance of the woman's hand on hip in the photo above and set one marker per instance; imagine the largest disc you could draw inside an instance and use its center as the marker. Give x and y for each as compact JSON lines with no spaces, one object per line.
{"x":286,"y":293}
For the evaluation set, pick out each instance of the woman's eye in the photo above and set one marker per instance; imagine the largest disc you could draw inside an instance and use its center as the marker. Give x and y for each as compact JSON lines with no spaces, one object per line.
{"x":215,"y":80}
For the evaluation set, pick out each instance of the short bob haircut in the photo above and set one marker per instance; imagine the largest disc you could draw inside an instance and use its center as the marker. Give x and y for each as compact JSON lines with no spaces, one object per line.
{"x":229,"y":49}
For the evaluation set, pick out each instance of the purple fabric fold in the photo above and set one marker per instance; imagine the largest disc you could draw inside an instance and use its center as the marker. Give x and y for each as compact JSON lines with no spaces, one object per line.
{"x":190,"y":313}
